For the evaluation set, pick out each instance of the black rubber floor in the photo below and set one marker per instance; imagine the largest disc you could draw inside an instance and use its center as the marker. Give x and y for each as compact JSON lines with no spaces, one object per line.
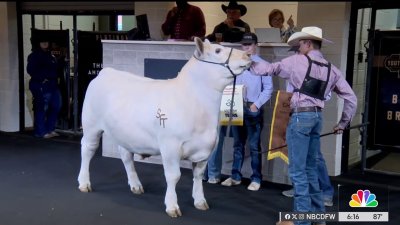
{"x":38,"y":186}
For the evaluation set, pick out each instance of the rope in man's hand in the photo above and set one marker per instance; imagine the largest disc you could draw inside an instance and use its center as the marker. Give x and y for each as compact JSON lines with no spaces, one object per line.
{"x":322,"y":135}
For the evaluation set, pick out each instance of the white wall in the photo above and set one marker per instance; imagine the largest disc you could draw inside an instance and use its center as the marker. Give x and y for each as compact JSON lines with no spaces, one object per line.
{"x":257,"y":13}
{"x":9,"y":95}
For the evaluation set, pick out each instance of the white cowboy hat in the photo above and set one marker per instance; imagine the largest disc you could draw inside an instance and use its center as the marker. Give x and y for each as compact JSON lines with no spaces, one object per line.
{"x":308,"y":33}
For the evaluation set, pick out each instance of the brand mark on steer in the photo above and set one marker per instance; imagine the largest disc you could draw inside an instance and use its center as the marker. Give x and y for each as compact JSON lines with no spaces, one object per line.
{"x":161,"y":117}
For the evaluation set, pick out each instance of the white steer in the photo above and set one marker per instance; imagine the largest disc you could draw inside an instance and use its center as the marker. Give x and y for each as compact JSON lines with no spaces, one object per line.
{"x":177,"y":118}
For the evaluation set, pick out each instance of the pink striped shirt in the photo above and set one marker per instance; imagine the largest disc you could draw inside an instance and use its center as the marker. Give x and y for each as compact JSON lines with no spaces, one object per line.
{"x":294,"y":69}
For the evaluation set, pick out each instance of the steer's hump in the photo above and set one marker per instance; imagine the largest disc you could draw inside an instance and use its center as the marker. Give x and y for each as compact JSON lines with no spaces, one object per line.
{"x":110,"y":73}
{"x":115,"y":82}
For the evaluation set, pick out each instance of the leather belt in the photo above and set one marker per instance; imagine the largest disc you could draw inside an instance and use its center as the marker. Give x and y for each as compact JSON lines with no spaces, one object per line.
{"x":306,"y":109}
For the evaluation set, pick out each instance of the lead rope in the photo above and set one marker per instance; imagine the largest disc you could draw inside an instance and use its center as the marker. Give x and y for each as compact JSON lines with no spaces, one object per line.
{"x":226,"y":65}
{"x":359,"y":126}
{"x":231,"y":108}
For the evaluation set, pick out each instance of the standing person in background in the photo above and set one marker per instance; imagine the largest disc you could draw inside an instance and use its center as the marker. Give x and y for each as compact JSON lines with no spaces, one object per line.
{"x":258,"y":92}
{"x":232,"y":28}
{"x":185,"y":22}
{"x":212,"y":174}
{"x":276,"y":20}
{"x":42,"y":66}
{"x":312,"y":77}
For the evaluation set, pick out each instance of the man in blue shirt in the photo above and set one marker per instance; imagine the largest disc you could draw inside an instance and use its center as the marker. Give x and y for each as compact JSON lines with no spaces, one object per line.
{"x":257,"y":92}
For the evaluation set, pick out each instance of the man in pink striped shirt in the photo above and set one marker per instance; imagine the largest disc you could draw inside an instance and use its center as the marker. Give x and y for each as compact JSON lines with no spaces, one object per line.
{"x":312,"y":77}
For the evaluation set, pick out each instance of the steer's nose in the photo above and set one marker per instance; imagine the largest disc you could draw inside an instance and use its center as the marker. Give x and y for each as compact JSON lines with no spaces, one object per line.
{"x":248,"y":65}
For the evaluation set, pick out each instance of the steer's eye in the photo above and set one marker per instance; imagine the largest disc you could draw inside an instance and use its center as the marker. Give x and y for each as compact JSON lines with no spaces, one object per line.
{"x":218,"y":50}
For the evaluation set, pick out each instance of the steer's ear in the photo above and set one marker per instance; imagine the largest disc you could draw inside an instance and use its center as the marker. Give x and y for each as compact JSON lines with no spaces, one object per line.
{"x":199,"y":47}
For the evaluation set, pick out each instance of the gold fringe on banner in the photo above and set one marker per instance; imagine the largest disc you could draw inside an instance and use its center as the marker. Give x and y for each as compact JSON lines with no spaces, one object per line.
{"x":280,"y":119}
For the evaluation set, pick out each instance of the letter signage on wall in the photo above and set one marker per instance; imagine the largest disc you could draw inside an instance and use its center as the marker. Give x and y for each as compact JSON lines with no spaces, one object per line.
{"x":384,"y":109}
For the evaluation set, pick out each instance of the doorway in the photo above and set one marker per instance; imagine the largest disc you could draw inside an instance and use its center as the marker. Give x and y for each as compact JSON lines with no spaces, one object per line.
{"x":375,"y":65}
{"x":71,"y":86}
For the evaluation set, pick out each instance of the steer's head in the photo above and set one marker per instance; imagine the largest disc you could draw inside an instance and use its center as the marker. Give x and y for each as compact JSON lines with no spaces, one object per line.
{"x":235,"y":61}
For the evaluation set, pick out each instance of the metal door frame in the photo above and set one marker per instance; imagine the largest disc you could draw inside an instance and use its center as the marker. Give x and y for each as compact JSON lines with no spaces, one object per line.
{"x":62,"y":12}
{"x":374,"y":6}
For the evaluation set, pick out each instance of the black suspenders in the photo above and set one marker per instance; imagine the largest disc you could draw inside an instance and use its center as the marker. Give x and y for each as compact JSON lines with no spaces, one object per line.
{"x":314,"y":87}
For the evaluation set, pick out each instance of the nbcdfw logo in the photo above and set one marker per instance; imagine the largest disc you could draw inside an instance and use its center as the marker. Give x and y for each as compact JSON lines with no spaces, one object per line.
{"x":363,"y":199}
{"x":308,"y":216}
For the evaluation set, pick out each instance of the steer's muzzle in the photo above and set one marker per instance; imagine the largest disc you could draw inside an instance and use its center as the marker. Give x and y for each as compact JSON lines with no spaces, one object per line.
{"x":248,"y":65}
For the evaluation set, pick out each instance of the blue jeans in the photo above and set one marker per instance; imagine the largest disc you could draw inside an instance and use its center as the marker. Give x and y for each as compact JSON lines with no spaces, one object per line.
{"x":46,"y":106}
{"x":303,"y":140}
{"x":250,"y":132}
{"x":214,"y":163}
{"x":323,"y":178}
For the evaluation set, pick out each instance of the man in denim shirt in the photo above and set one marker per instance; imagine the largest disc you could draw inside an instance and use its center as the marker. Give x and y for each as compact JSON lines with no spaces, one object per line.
{"x":258,"y":90}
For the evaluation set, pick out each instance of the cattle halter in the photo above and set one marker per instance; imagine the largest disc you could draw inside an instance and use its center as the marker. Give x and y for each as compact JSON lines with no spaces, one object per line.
{"x":225,"y":64}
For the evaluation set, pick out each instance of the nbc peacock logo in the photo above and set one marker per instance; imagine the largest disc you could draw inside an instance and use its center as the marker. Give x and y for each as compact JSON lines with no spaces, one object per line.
{"x":363,"y":199}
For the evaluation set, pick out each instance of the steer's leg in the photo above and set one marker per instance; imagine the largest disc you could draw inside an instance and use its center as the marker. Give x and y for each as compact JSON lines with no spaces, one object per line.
{"x":89,"y":144}
{"x":198,"y":193}
{"x":133,"y":179}
{"x":171,"y":159}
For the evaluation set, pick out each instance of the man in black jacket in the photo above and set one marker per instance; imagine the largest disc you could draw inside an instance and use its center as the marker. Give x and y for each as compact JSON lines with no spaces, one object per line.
{"x":232,"y":28}
{"x":42,"y":67}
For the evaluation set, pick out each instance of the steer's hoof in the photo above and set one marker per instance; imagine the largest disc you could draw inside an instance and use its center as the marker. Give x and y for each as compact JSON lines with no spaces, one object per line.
{"x":174,"y":212}
{"x":137,"y":190}
{"x":202,"y":205}
{"x":85,"y":188}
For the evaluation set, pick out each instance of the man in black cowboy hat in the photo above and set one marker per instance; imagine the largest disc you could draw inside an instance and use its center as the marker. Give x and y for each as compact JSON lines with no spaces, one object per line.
{"x":232,"y":28}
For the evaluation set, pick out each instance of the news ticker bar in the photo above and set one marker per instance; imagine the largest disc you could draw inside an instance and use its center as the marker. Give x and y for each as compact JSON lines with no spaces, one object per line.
{"x":335,"y":216}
